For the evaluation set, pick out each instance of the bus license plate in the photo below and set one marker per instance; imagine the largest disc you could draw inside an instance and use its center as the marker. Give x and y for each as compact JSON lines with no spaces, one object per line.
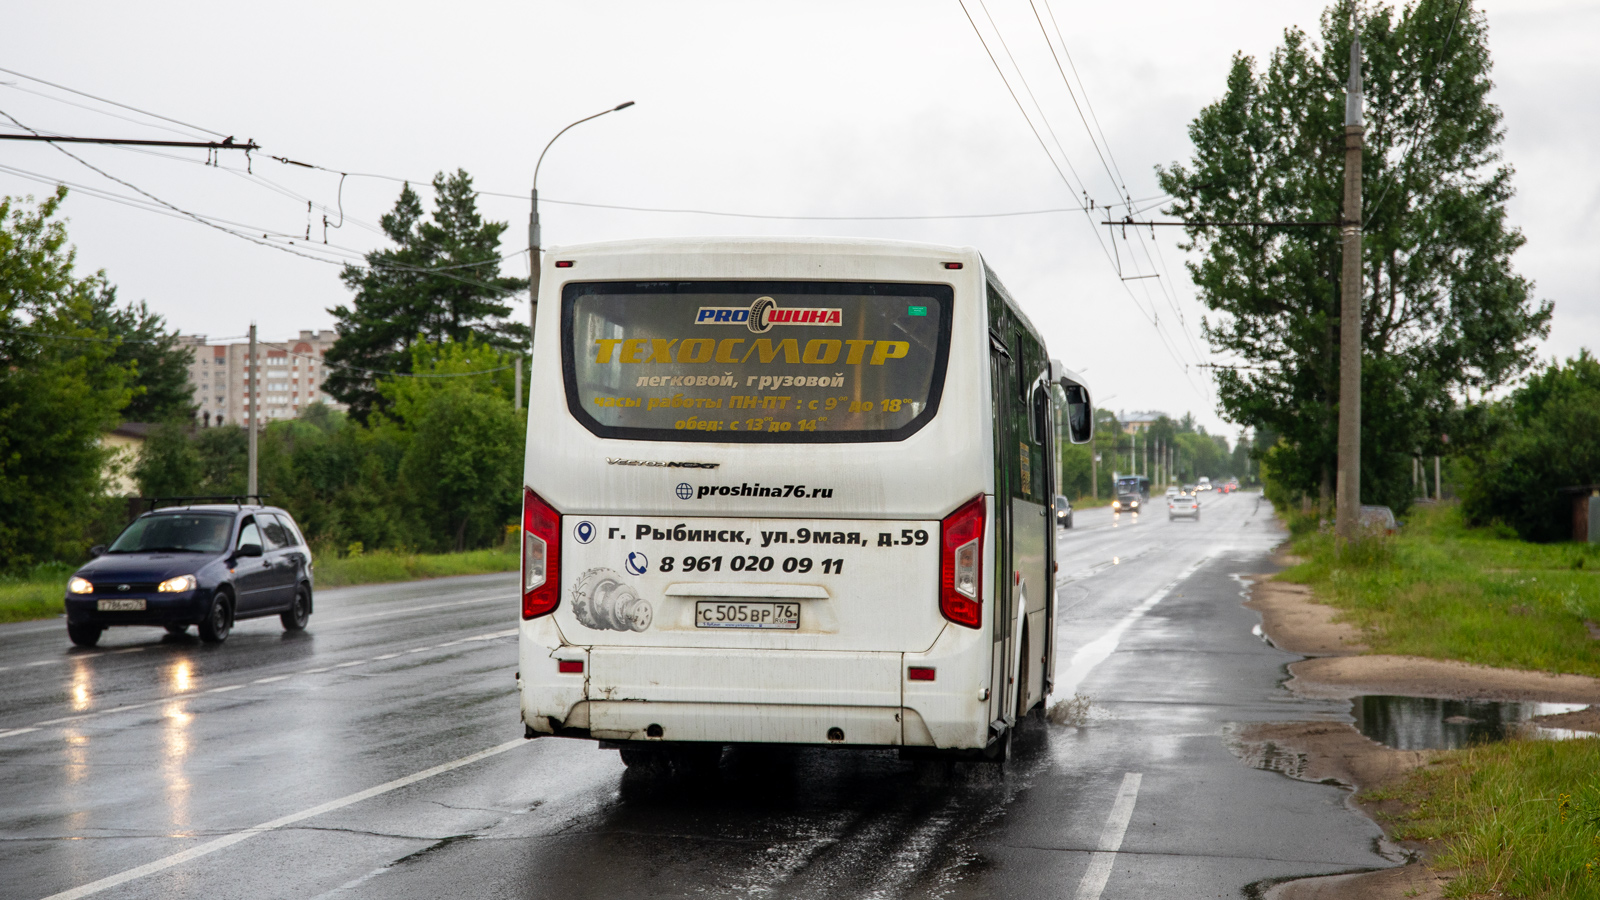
{"x":119,"y":605}
{"x":716,"y":614}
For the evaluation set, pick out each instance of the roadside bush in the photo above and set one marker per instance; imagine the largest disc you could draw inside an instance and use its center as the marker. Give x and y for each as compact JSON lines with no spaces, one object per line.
{"x":1544,"y":437}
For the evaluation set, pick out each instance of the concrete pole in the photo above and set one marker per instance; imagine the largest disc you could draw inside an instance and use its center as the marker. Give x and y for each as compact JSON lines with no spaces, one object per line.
{"x":516,"y":395}
{"x":1438,"y":485}
{"x":251,"y":423}
{"x":535,"y":263}
{"x":1348,"y":486}
{"x":1094,"y":474}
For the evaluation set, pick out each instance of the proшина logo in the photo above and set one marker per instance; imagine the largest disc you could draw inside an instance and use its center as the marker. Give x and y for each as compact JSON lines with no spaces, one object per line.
{"x":765,"y":313}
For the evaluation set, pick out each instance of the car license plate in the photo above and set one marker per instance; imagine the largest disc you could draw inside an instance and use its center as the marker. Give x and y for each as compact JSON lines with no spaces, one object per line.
{"x":718,"y":614}
{"x":120,"y":605}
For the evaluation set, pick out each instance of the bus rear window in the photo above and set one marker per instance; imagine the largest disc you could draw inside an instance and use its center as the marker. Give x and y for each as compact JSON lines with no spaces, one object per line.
{"x":755,"y":361}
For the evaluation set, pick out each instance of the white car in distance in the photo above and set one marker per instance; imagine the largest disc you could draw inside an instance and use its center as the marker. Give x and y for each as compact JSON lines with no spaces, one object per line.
{"x":1183,"y":506}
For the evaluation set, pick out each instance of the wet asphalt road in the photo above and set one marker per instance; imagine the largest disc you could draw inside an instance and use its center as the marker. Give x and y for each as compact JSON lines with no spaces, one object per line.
{"x":378,"y":755}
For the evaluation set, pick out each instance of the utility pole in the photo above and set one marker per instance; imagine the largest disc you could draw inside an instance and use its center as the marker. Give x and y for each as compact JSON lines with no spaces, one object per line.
{"x":1438,"y":485}
{"x":1094,"y":474}
{"x":1347,"y":490}
{"x":255,"y":412}
{"x":516,"y":395}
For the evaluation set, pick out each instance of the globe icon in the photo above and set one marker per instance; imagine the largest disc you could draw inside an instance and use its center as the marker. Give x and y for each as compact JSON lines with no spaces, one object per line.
{"x":684,"y":491}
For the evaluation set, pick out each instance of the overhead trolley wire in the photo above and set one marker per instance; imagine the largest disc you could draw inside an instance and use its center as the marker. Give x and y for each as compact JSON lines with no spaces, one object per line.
{"x":141,"y":112}
{"x":1152,"y":316}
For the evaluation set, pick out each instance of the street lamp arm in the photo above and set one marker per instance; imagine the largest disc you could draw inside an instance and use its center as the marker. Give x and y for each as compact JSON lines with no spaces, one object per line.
{"x":546,"y":149}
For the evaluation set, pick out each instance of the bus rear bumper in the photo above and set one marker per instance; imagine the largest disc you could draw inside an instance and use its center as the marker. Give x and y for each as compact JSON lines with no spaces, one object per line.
{"x":759,"y":696}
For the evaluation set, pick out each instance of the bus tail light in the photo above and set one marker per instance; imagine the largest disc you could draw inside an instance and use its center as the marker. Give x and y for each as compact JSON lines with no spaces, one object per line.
{"x":541,"y":556}
{"x":961,"y":564}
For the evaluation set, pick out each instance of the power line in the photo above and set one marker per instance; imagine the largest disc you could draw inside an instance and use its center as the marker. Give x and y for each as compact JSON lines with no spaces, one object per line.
{"x":1120,"y":190}
{"x":1021,"y":76}
{"x":96,"y":110}
{"x":1154,"y":318}
{"x":183,"y":213}
{"x":141,"y":112}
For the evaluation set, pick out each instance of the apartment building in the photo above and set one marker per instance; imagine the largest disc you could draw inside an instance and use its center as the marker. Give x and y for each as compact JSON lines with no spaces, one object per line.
{"x":291,"y":377}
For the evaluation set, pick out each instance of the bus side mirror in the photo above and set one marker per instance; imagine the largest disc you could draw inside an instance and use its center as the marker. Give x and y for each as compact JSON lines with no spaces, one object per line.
{"x":1080,"y":413}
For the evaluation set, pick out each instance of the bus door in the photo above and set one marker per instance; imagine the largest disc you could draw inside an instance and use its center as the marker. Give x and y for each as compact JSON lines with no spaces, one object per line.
{"x":1002,"y":380}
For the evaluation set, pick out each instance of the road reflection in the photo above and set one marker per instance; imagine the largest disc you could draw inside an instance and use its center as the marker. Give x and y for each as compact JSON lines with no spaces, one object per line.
{"x":176,"y":745}
{"x":82,"y":686}
{"x":180,"y":677}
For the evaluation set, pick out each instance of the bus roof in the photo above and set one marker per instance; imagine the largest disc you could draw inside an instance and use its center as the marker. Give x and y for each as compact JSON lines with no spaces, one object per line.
{"x":833,"y":246}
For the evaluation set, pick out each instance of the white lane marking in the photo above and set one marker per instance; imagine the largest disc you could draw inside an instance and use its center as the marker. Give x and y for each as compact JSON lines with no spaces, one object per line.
{"x":167,"y":862}
{"x":507,"y":598}
{"x":1095,"y":652}
{"x":1116,"y":828}
{"x":477,"y":638}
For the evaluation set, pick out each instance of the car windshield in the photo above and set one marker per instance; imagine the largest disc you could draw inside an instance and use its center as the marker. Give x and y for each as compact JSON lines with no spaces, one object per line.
{"x":175,"y":532}
{"x":1061,"y":503}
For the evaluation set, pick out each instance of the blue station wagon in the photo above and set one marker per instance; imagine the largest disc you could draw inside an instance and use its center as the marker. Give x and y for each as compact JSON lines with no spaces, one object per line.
{"x":206,"y":565}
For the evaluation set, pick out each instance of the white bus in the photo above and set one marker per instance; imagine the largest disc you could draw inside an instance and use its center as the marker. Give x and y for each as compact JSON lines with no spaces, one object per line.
{"x":788,"y":491}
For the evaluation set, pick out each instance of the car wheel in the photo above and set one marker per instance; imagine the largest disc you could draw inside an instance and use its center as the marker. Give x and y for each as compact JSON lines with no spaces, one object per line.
{"x":296,"y":616}
{"x":84,"y":635}
{"x":177,"y":629}
{"x":218,"y":622}
{"x":1069,"y":520}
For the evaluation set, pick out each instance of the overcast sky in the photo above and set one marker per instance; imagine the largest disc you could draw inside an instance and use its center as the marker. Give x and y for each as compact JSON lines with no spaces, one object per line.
{"x":800,"y":109}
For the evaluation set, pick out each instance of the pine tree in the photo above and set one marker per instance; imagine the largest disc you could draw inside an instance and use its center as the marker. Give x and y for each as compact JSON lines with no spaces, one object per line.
{"x":441,"y":283}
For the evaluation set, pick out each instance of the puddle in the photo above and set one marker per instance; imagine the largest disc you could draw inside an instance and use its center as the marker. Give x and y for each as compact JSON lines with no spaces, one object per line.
{"x":1424,"y":723}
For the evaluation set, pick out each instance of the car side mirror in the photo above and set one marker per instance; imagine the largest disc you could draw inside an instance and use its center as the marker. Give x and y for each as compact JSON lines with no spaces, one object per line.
{"x":248,"y":550}
{"x":97,"y":550}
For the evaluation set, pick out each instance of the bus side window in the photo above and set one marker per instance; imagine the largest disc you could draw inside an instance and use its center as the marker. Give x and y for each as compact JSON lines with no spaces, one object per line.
{"x":1041,"y":415}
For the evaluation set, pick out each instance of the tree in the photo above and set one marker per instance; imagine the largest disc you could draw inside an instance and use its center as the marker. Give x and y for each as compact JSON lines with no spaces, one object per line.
{"x":61,"y":389}
{"x":463,"y":462}
{"x":441,"y":283}
{"x":157,"y":363}
{"x":1442,"y":310}
{"x":1544,"y":437}
{"x":168,"y":465}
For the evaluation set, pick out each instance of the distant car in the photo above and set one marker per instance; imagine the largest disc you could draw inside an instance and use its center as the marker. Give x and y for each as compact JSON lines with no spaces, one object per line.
{"x":1183,"y":507}
{"x":1188,"y":490}
{"x":205,"y":565}
{"x":1126,"y":503}
{"x":1173,"y":491}
{"x":1379,"y":518}
{"x":1063,"y":512}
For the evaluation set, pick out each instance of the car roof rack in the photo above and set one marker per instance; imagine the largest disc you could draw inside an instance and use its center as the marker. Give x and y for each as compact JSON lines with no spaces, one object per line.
{"x":239,"y":500}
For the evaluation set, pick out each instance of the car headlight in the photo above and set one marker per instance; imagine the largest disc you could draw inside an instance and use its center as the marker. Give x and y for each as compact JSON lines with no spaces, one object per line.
{"x":177,"y":585}
{"x":1134,"y":504}
{"x":78,"y":585}
{"x":1116,"y":504}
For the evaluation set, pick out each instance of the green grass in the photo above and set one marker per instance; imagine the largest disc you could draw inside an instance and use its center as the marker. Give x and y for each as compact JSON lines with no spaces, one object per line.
{"x":1442,"y":590}
{"x":1518,"y":818}
{"x":35,"y":595}
{"x":380,"y":566}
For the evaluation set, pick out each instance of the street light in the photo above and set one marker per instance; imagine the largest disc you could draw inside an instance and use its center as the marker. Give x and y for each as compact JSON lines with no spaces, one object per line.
{"x":533,"y":222}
